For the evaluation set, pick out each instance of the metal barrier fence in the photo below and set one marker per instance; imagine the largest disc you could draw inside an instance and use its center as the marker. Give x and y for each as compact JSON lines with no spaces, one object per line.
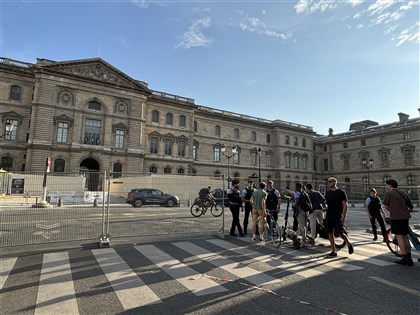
{"x":70,"y":212}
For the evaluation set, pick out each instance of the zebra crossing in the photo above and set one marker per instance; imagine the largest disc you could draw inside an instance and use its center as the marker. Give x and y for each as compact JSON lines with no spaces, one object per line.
{"x":141,"y":276}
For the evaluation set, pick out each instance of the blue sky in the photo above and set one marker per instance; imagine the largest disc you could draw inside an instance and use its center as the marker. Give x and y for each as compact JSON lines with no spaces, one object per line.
{"x":315,"y":62}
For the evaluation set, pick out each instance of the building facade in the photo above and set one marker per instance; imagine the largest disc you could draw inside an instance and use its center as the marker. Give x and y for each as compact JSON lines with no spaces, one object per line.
{"x":88,"y":117}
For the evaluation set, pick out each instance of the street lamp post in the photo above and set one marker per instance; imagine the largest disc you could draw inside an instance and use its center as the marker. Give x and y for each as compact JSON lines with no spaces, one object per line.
{"x":9,"y":128}
{"x":259,"y":164}
{"x":229,"y":156}
{"x":367,"y":164}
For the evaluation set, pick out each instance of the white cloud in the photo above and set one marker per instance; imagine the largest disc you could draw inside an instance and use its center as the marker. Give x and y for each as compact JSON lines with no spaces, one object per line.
{"x":410,"y":34}
{"x":379,"y":6}
{"x":194,"y":37}
{"x":311,"y":6}
{"x":141,"y":3}
{"x":255,"y":25}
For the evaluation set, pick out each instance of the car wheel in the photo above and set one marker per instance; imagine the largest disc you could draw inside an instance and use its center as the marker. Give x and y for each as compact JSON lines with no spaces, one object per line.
{"x":138,"y":203}
{"x":170,"y":203}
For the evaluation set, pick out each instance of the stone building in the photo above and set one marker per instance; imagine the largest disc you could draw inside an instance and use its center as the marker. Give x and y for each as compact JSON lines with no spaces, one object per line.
{"x":88,"y":117}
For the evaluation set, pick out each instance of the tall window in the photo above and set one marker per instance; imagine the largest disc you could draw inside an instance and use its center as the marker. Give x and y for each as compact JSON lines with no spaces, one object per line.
{"x":268,"y":159}
{"x":195,"y":126}
{"x":182,"y":120}
{"x":217,"y":130}
{"x":253,"y":136}
{"x":194,"y":151}
{"x":287,"y":160}
{"x":287,"y":140}
{"x":169,"y":119}
{"x":383,"y":139}
{"x":325,"y":164}
{"x":304,"y":143}
{"x":304,"y":163}
{"x":345,"y":145}
{"x":168,"y":146}
{"x":268,"y":138}
{"x":295,"y":141}
{"x":253,"y":158}
{"x":217,"y":154}
{"x":155,"y":116}
{"x":346,"y":163}
{"x":407,"y":135}
{"x":384,"y":159}
{"x":15,"y":92}
{"x":119,"y":138}
{"x":181,"y":147}
{"x":363,"y":142}
{"x":296,"y":161}
{"x":235,"y":157}
{"x":62,"y":132}
{"x":13,"y":133}
{"x":154,"y":145}
{"x":408,"y":156}
{"x":117,"y":170}
{"x":92,"y":131}
{"x":59,"y":165}
{"x":236,"y":133}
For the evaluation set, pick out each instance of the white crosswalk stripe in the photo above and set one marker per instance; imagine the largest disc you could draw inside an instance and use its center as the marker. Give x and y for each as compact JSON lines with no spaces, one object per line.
{"x":237,"y":257}
{"x":124,"y":281}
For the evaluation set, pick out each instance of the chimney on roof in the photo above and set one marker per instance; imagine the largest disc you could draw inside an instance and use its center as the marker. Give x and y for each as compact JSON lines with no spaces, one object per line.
{"x":403,"y":117}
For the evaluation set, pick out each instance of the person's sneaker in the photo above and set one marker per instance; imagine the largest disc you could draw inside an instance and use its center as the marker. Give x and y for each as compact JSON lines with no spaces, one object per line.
{"x":375,"y":238}
{"x":241,"y":234}
{"x":351,"y":250}
{"x":233,"y":234}
{"x":404,"y":261}
{"x":262,"y":240}
{"x":331,"y":255}
{"x":253,"y":239}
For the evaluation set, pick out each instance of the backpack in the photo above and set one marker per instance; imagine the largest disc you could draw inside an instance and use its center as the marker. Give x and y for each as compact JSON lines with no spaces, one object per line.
{"x":305,"y":202}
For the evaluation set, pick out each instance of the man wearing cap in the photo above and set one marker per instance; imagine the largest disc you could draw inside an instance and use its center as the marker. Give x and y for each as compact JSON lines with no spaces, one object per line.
{"x":399,"y":205}
{"x":373,"y":208}
{"x":336,"y":200}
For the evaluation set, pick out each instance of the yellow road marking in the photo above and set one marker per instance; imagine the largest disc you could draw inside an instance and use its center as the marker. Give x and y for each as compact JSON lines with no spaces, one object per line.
{"x":396,"y":285}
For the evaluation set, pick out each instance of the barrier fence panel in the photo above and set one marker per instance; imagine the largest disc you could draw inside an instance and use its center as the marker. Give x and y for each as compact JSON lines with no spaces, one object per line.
{"x":65,"y":209}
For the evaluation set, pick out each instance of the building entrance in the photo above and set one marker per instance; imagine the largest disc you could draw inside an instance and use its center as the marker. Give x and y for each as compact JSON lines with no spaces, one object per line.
{"x":90,"y":168}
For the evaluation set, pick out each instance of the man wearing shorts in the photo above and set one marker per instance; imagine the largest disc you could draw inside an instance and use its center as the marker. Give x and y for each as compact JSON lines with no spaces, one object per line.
{"x":336,"y":200}
{"x":399,"y":205}
{"x":258,"y":212}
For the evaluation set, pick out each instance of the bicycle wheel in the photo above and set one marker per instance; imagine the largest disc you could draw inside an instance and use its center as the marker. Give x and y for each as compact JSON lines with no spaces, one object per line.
{"x":276,"y":235}
{"x":391,"y":242}
{"x":196,"y":210}
{"x":216,"y":209}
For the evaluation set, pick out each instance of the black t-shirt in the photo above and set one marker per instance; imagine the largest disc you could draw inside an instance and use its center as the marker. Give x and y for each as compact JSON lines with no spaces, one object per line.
{"x":334,"y":199}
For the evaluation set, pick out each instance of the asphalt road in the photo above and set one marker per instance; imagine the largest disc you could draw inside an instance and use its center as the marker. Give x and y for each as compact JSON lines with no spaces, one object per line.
{"x":204,"y":274}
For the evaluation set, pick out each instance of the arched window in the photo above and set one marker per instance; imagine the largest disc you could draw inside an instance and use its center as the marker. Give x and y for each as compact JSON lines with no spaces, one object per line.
{"x":182,"y":120}
{"x":153,"y":169}
{"x":167,"y":170}
{"x":59,"y":165}
{"x":236,"y":133}
{"x":181,"y":170}
{"x":253,"y":136}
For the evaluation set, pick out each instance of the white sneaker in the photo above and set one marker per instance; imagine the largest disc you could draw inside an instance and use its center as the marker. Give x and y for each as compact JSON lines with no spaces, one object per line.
{"x":253,"y":239}
{"x":262,"y":241}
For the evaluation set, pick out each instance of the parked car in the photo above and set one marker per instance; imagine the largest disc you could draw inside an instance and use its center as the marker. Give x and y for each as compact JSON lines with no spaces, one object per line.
{"x":218,"y":195}
{"x":150,"y":196}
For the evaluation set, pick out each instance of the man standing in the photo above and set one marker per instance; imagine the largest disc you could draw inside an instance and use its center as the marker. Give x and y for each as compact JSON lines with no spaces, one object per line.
{"x":272,"y":202}
{"x":258,"y":211}
{"x":234,"y":196}
{"x":316,"y":215}
{"x":399,"y":205}
{"x":373,"y":208}
{"x":336,"y":200}
{"x":300,"y":213}
{"x":246,"y":203}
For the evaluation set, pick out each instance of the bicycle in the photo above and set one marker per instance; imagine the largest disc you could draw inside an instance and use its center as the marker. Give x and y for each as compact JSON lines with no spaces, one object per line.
{"x":199,"y":208}
{"x":391,"y":242}
{"x":272,"y":231}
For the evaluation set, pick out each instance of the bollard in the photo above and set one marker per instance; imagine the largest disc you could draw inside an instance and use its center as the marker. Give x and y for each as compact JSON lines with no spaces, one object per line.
{"x":95,"y":202}
{"x":188,"y":203}
{"x":59,"y":203}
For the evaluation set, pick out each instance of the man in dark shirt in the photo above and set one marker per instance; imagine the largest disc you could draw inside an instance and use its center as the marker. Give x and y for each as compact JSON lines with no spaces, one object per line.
{"x":336,"y":200}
